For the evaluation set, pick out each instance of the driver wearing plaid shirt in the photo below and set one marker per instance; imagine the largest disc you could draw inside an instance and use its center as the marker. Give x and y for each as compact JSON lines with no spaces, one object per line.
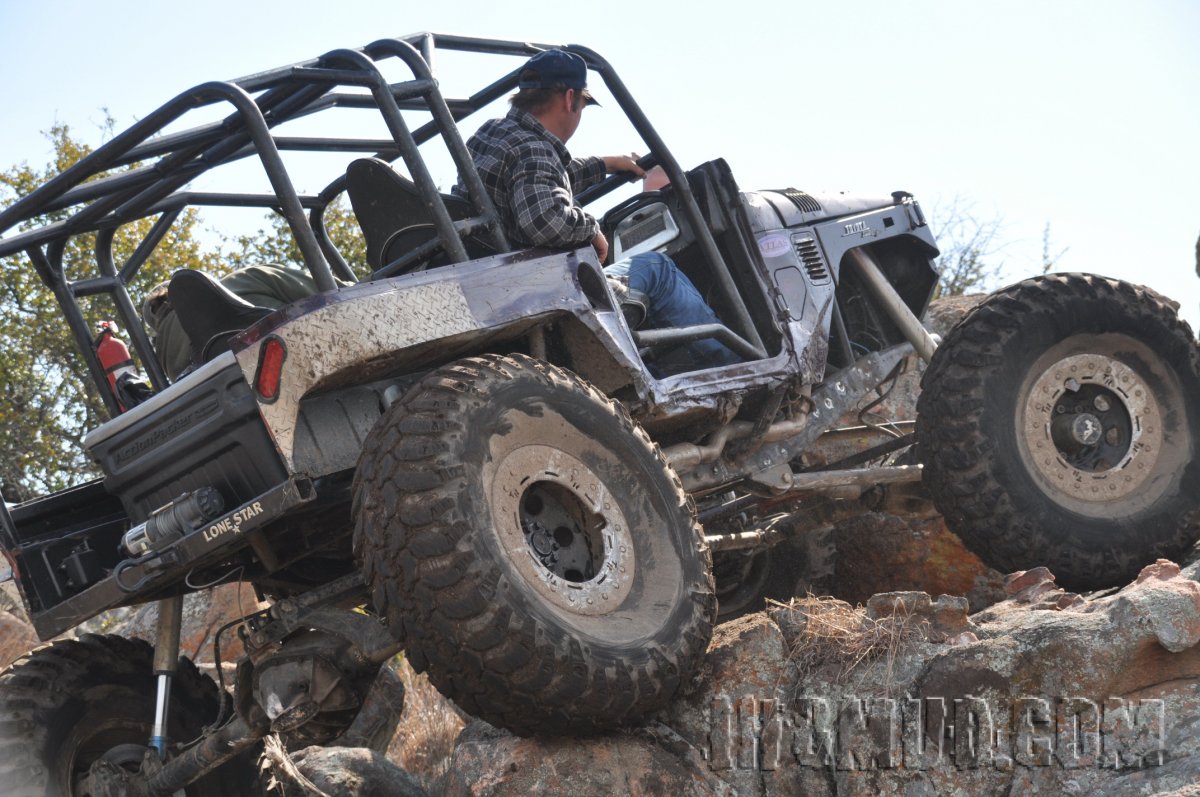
{"x":532,"y":180}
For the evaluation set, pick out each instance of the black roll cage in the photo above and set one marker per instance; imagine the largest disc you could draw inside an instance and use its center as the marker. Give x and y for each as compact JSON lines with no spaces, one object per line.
{"x":261,"y":102}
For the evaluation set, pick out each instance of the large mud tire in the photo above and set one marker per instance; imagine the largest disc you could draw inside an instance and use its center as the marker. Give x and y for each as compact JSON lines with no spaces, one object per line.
{"x":455,"y":495}
{"x":1058,"y":424}
{"x":67,"y":704}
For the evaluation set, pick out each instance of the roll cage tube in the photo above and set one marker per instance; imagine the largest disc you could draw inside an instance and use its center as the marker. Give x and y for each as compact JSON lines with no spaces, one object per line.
{"x":260,"y":103}
{"x":290,"y":92}
{"x":661,"y":155}
{"x":683,"y":189}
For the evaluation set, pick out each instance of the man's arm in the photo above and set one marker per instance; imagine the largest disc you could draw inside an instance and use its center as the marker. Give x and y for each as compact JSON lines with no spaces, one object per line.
{"x":586,"y":172}
{"x":544,"y":209}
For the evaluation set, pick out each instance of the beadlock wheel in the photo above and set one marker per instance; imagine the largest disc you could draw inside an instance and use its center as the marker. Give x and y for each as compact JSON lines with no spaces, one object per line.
{"x":1093,"y":430}
{"x":565,"y":533}
{"x":1059,"y":424}
{"x":532,"y":548}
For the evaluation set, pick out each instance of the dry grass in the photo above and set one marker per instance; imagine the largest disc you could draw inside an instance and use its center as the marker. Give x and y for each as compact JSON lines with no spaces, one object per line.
{"x":829,"y":634}
{"x":285,"y":777}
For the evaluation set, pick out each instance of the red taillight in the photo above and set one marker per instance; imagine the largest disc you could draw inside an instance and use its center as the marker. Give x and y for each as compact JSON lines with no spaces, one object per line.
{"x":270,"y":368}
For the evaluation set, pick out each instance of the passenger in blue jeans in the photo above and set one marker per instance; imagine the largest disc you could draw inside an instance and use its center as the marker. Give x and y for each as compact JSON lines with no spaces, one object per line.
{"x":532,"y":180}
{"x":669,"y":299}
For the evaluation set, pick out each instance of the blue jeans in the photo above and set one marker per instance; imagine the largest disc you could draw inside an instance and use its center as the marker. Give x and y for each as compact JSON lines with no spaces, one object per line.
{"x":672,"y":301}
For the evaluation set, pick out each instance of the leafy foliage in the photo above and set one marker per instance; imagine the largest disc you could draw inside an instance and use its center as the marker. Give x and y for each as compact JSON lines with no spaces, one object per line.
{"x":47,"y":401}
{"x":972,"y":249}
{"x":278,"y":245}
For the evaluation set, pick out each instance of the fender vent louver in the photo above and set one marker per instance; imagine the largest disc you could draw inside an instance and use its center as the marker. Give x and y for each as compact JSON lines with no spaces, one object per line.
{"x":801,"y":200}
{"x":810,"y":256}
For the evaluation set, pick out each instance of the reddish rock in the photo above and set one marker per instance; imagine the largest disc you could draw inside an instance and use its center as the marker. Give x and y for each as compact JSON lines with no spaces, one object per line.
{"x":965,"y":638}
{"x":1068,"y":600}
{"x":205,"y":613}
{"x":735,"y":645}
{"x":1122,"y":668}
{"x":490,"y":763}
{"x":1038,"y":589}
{"x":1161,"y":570}
{"x":937,"y":621}
{"x":905,"y":545}
{"x":1018,"y":582}
{"x":879,"y":552}
{"x":16,"y":638}
{"x":1162,"y":601}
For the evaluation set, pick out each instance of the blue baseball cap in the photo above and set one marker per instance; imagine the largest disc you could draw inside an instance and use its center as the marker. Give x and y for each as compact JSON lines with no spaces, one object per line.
{"x":555,"y":68}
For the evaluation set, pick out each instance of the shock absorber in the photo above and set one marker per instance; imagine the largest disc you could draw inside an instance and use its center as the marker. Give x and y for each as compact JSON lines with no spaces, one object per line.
{"x":166,"y":662}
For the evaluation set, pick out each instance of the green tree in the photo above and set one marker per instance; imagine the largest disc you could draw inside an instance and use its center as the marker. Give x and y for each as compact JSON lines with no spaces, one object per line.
{"x":276,"y":244}
{"x":47,"y":399}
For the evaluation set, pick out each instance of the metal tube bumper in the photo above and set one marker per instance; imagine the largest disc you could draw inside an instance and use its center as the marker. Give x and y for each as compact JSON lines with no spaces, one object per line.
{"x":897,"y":310}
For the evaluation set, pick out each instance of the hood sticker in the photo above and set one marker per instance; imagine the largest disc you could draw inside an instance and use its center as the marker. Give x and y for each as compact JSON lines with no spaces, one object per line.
{"x":774,"y":245}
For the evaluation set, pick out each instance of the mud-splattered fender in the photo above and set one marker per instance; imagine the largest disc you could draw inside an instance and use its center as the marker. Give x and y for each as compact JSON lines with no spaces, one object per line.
{"x":403,"y":324}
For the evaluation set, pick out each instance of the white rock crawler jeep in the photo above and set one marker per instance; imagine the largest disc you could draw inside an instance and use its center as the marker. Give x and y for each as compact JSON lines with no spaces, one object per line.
{"x":465,"y":454}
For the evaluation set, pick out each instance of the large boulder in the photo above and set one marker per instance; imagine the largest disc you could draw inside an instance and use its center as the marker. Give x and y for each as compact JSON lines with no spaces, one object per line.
{"x":884,"y":551}
{"x":425,"y":738}
{"x":338,"y":772}
{"x":645,"y":763}
{"x":1044,"y":692}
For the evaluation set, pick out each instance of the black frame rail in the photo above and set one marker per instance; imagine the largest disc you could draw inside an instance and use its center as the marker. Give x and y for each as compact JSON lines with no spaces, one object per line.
{"x":99,"y":202}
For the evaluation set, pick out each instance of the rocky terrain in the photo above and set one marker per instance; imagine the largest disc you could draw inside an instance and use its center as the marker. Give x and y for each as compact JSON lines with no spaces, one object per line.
{"x":922,"y":672}
{"x":1045,"y":692}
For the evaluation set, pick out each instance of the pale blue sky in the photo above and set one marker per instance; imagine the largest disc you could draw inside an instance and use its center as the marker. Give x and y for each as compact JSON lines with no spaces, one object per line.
{"x":1080,"y":114}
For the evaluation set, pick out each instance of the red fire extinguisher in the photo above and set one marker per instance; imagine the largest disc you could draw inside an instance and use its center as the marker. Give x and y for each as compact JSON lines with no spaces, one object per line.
{"x":114,"y":358}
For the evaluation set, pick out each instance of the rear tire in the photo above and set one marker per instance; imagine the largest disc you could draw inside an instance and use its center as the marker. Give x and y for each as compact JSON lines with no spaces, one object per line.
{"x":1058,"y":425}
{"x":532,"y":548}
{"x":746,"y":580}
{"x":73,"y":702}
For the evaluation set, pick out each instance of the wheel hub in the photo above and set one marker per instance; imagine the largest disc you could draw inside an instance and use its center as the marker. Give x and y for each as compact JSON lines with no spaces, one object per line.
{"x":560,"y":532}
{"x":563,"y":529}
{"x":1086,"y":429}
{"x":112,"y":774}
{"x":1092,"y":428}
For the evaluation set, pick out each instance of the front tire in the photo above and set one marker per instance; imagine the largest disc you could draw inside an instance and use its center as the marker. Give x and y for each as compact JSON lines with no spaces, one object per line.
{"x":1058,"y":426}
{"x":532,"y":549}
{"x":73,"y":702}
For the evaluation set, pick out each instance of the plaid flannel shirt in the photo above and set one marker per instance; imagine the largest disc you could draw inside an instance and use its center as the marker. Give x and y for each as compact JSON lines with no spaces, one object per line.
{"x":532,"y":180}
